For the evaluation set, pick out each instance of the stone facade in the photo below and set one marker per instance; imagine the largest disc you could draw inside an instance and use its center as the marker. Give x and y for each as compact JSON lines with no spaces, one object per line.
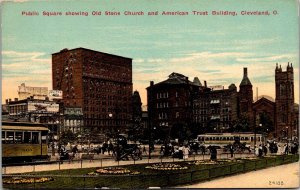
{"x":284,"y":86}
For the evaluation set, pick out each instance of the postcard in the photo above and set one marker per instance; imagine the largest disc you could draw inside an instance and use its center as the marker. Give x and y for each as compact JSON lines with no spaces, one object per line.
{"x":144,"y":94}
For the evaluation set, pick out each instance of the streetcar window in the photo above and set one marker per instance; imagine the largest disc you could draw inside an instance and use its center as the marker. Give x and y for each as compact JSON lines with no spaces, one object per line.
{"x":251,"y":139}
{"x":3,"y":137}
{"x":258,"y":138}
{"x":246,"y":138}
{"x":206,"y":138}
{"x":18,"y":137}
{"x":10,"y":137}
{"x":27,"y":137}
{"x":35,"y":138}
{"x":231,"y":138}
{"x":242,"y":138}
{"x":44,"y":137}
{"x":217,"y":138}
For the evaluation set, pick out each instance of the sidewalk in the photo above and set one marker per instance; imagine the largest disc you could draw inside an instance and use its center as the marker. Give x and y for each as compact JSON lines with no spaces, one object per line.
{"x":283,"y":176}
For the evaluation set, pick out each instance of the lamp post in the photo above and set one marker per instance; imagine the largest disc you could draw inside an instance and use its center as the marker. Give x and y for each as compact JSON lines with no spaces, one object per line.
{"x":287,"y":139}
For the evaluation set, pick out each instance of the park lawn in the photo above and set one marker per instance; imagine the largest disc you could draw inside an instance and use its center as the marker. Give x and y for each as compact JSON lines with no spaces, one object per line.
{"x":78,"y":178}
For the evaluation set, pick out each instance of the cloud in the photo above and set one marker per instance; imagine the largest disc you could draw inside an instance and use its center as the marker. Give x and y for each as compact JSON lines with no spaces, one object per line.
{"x":33,"y":68}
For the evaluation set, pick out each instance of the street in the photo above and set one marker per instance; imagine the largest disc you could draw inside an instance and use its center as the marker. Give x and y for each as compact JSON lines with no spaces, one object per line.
{"x":283,"y":176}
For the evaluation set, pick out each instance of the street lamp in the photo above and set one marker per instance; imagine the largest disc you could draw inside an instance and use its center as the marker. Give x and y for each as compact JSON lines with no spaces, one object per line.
{"x":287,"y":139}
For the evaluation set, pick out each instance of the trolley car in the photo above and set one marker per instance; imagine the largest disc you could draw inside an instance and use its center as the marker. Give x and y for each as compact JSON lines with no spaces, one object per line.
{"x":24,"y":142}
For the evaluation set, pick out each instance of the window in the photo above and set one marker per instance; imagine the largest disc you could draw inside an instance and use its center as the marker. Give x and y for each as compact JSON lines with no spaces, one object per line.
{"x":35,"y":138}
{"x":18,"y":137}
{"x":3,"y":137}
{"x":10,"y":137}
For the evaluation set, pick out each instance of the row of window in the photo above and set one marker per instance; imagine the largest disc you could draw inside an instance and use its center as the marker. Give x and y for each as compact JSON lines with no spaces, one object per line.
{"x":227,"y":138}
{"x":162,"y":95}
{"x":10,"y":137}
{"x":106,"y":122}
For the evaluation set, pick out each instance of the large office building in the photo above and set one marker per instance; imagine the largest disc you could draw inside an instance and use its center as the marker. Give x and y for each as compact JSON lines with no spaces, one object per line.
{"x":98,"y":83}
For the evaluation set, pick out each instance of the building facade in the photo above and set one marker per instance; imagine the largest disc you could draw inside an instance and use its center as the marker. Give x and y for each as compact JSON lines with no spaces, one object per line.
{"x":170,"y":105}
{"x":99,"y":83}
{"x":25,"y":92}
{"x":216,"y":110}
{"x":284,"y":100}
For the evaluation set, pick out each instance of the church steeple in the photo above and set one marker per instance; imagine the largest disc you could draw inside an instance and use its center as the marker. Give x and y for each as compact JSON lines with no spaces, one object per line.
{"x":245,"y":80}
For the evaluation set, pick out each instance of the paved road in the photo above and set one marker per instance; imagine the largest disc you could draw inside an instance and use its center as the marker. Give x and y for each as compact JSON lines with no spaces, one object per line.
{"x":283,"y":176}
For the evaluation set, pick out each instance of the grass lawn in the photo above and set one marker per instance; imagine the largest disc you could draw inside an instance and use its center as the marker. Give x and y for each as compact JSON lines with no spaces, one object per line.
{"x":139,"y":176}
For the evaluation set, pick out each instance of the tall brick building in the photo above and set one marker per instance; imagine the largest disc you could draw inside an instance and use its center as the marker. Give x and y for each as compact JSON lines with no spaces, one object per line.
{"x":216,"y":110}
{"x":170,"y":104}
{"x":98,"y":83}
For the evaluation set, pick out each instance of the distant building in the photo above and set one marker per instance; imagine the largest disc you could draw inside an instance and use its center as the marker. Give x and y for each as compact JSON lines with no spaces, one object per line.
{"x":179,"y":102}
{"x":216,"y":110}
{"x":170,"y":105}
{"x":35,"y":111}
{"x":284,"y":87}
{"x":245,"y":100}
{"x":28,"y":91}
{"x":98,"y":83}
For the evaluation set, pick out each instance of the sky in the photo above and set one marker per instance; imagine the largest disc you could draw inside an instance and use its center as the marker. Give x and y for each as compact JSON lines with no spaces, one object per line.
{"x":214,"y":48}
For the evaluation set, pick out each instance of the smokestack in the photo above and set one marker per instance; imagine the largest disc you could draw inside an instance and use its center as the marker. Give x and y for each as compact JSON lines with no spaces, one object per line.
{"x":187,"y":80}
{"x":245,"y":72}
{"x":151,"y":83}
{"x":205,"y":85}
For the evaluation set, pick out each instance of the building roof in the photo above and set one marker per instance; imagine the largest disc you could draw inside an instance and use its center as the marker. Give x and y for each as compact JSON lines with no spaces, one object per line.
{"x":66,"y":49}
{"x":176,"y":78}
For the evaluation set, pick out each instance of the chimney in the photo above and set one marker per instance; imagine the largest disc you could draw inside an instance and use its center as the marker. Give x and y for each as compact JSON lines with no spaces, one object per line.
{"x":205,"y":85}
{"x":187,"y":80}
{"x":151,"y":83}
{"x":9,"y":100}
{"x":16,"y":99}
{"x":245,"y":72}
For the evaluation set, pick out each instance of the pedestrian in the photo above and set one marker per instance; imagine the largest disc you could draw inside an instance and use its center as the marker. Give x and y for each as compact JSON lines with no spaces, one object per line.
{"x":260,"y":151}
{"x":231,"y":150}
{"x":144,"y":149}
{"x":180,"y":152}
{"x":74,"y":151}
{"x":256,"y":150}
{"x":213,"y":153}
{"x":286,"y":149}
{"x":186,"y":152}
{"x":265,"y":149}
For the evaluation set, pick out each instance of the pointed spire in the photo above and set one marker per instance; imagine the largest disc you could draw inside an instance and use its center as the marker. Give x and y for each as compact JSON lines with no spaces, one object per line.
{"x":245,"y":80}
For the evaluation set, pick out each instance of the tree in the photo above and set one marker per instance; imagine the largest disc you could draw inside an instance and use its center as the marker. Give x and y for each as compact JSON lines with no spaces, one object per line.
{"x":241,"y":125}
{"x":267,"y":125}
{"x":67,"y":136}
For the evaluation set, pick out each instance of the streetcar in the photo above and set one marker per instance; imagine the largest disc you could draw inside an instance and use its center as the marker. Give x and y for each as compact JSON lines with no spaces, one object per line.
{"x":223,"y":139}
{"x":24,"y":142}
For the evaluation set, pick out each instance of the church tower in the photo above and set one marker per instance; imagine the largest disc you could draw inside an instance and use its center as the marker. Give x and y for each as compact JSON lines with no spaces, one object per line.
{"x":246,"y":98}
{"x":284,"y":81}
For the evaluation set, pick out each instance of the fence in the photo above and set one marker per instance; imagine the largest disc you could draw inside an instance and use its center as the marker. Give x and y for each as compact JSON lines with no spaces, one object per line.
{"x":104,"y":162}
{"x":152,"y":180}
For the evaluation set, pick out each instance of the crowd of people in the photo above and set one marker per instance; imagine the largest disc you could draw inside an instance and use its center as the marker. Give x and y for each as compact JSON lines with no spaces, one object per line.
{"x":180,"y":151}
